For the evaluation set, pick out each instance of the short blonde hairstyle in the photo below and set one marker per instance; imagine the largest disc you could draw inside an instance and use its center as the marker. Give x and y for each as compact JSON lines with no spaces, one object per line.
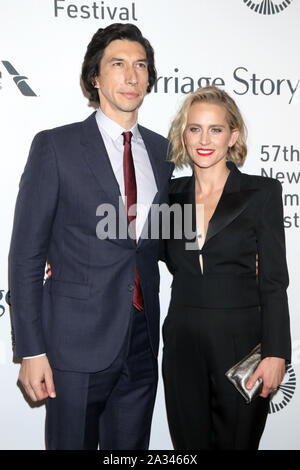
{"x":212,"y":95}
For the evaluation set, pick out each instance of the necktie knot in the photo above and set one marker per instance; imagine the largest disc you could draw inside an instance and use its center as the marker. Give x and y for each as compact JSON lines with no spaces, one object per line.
{"x":127,"y":137}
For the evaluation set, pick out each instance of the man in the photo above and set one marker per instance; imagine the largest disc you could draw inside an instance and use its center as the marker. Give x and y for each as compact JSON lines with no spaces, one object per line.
{"x":89,"y":336}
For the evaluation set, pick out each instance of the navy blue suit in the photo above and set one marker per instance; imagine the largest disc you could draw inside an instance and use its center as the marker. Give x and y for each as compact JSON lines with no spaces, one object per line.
{"x":82,"y":317}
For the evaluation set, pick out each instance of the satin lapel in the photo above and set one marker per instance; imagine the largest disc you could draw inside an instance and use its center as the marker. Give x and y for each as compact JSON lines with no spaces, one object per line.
{"x":97,"y":159}
{"x":232,"y":203}
{"x":230,"y":206}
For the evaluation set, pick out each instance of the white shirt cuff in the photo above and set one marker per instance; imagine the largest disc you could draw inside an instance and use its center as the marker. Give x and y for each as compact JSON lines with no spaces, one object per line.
{"x":31,"y":357}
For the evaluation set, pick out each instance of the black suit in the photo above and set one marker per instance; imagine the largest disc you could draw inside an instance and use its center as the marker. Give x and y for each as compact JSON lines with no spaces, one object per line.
{"x":215,"y":318}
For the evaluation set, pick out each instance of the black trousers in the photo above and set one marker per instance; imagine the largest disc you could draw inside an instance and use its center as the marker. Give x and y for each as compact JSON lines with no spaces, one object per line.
{"x":205,"y":411}
{"x":111,"y":408}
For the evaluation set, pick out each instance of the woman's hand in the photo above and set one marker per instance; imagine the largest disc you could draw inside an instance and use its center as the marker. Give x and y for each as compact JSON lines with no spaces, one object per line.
{"x":48,"y":271}
{"x":271,"y":370}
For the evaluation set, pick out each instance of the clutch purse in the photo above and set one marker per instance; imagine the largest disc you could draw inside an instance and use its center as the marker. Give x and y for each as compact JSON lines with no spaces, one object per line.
{"x":241,"y":372}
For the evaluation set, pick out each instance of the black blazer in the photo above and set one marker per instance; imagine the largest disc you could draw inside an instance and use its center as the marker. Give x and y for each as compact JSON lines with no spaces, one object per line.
{"x":80,"y":316}
{"x":248,"y":220}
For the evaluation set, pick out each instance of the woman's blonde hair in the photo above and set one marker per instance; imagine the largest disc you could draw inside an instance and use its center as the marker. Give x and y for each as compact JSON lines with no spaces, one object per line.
{"x":212,"y":95}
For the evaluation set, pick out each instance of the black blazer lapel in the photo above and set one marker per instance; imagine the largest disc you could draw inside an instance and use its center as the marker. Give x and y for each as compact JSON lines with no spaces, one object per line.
{"x":230,"y":206}
{"x":232,"y":203}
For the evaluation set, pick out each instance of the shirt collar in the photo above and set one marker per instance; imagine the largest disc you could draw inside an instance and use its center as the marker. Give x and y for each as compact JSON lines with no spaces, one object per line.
{"x":113,"y":129}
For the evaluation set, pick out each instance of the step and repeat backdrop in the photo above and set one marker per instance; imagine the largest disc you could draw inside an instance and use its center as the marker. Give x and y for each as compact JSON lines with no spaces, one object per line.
{"x":249,"y":48}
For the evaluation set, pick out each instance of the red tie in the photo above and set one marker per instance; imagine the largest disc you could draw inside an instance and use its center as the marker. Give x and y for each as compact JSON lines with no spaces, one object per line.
{"x":130,"y":193}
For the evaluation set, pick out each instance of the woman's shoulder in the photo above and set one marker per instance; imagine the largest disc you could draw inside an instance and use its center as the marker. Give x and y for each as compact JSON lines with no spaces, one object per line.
{"x":263,"y":183}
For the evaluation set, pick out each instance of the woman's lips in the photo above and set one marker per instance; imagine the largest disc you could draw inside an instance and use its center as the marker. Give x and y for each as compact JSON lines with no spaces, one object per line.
{"x":205,"y":152}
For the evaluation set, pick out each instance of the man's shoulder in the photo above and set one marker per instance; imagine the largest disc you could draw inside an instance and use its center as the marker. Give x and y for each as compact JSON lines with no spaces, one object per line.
{"x":69,"y":128}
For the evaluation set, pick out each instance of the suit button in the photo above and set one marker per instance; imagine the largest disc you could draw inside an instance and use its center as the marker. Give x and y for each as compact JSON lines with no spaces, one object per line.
{"x":130,"y":287}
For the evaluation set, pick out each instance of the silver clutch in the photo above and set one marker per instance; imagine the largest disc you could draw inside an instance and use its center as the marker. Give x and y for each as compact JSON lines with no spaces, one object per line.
{"x":241,"y":372}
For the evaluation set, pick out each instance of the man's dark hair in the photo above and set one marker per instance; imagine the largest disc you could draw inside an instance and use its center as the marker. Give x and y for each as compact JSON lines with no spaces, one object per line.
{"x":95,"y":51}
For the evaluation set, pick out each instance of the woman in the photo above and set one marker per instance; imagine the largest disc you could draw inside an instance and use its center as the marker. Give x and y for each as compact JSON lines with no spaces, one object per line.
{"x":219,"y":309}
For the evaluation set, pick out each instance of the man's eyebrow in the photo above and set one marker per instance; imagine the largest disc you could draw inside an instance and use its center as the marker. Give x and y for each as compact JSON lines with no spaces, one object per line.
{"x":121,"y":59}
{"x":116,"y":58}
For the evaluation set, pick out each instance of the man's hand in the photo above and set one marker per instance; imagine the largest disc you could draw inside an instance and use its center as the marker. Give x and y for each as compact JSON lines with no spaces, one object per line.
{"x":36,"y":378}
{"x":271,"y":370}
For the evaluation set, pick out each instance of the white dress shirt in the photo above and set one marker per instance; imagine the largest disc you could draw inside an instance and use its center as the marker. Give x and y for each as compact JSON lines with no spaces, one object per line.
{"x":111,"y":133}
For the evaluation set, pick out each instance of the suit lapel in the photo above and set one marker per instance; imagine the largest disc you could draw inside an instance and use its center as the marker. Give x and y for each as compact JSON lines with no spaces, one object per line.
{"x":99,"y":163}
{"x":153,"y":154}
{"x":230,"y":206}
{"x":232,"y":203}
{"x":98,"y":160}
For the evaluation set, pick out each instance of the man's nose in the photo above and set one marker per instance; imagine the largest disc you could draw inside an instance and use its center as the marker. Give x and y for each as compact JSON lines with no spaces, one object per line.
{"x":131,"y":76}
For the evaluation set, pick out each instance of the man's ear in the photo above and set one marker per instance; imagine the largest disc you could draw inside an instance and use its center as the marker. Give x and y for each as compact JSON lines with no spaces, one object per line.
{"x":96,"y":82}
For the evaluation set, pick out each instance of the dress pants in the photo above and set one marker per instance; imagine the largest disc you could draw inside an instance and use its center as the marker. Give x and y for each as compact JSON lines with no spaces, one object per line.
{"x":205,"y":411}
{"x":111,"y":408}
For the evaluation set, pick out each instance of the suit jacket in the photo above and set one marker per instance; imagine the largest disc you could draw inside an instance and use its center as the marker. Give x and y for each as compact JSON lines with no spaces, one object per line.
{"x":80,"y":316}
{"x":248,"y":220}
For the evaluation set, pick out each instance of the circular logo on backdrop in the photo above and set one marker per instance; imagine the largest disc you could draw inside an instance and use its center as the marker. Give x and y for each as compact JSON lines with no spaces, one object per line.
{"x":285,"y":391}
{"x":268,"y":7}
